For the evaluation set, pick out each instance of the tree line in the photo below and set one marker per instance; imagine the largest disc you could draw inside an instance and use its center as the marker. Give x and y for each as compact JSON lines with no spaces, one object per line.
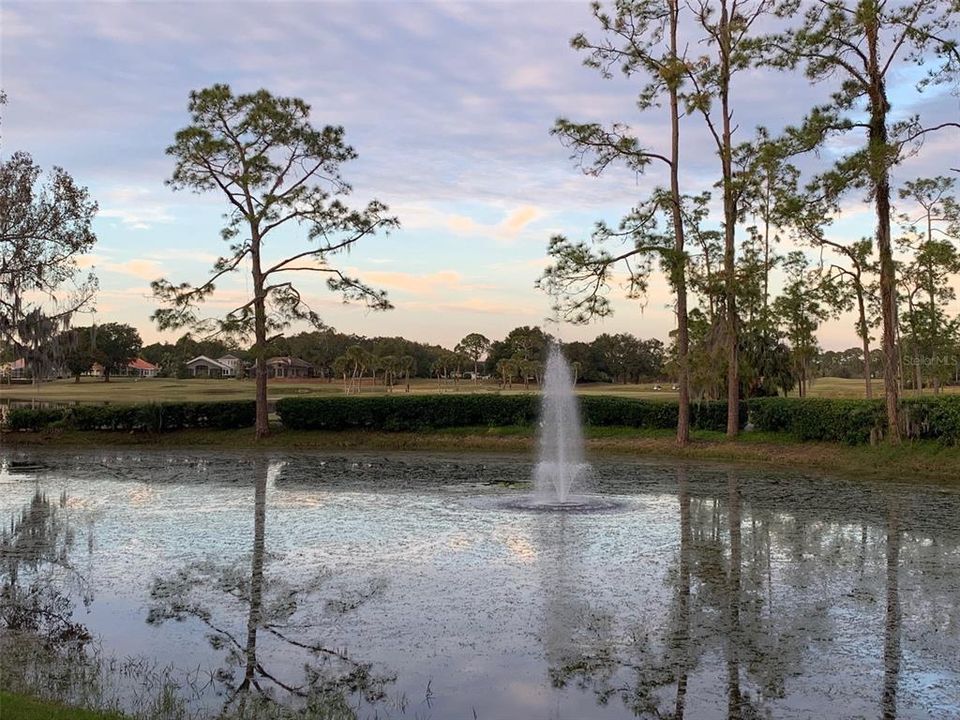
{"x":519,"y":357}
{"x":690,"y":62}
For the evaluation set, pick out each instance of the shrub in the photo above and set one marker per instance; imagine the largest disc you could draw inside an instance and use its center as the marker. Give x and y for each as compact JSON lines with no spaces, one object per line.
{"x":847,"y":421}
{"x":936,"y":417}
{"x":148,"y":417}
{"x":34,"y":418}
{"x":408,"y":412}
{"x":418,"y":412}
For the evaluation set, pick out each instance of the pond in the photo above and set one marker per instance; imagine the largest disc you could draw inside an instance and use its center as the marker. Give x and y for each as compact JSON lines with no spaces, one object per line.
{"x":414,"y":585}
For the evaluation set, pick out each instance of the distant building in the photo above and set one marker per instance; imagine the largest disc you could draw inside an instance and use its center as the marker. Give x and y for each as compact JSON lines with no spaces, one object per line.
{"x":235,"y":364}
{"x":142,"y":368}
{"x":202,"y":366}
{"x":21,"y":369}
{"x":16,"y":370}
{"x":288,"y":367}
{"x":137,"y":367}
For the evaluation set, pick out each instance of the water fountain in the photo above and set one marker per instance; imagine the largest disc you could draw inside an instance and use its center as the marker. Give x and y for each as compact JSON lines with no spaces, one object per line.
{"x":560,"y":463}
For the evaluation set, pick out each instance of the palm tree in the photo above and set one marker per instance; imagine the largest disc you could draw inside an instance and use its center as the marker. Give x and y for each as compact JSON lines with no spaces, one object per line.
{"x":341,"y":366}
{"x":358,"y":359}
{"x":406,"y":365}
{"x":388,"y":364}
{"x":506,"y":367}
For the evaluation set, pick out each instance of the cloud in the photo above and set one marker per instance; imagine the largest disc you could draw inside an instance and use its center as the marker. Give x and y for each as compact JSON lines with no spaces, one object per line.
{"x":520,"y":218}
{"x":145,"y":269}
{"x":442,"y":281}
{"x":182,"y":254}
{"x":531,"y":77}
{"x":486,"y":307}
{"x":134,"y":207}
{"x":507,"y":230}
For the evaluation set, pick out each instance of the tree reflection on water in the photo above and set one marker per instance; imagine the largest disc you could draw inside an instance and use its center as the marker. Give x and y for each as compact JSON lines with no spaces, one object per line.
{"x":272,"y":607}
{"x":728,"y":613}
{"x":37,"y":579}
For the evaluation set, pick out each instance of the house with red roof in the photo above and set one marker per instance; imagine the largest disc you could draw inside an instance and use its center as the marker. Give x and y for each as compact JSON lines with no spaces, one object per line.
{"x":142,"y":368}
{"x":137,"y":367}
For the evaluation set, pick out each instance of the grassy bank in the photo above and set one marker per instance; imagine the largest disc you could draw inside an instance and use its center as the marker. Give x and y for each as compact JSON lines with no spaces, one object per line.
{"x":919,"y":459}
{"x":126,"y":390}
{"x":20,"y":707}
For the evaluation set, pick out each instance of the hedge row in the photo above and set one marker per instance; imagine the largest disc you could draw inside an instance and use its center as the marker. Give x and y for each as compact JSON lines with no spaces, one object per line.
{"x":857,"y":421}
{"x":935,"y":418}
{"x":846,"y":421}
{"x":149,"y":417}
{"x":419,"y":412}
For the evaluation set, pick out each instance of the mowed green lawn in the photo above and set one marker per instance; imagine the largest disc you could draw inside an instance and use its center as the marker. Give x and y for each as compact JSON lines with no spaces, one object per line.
{"x":20,"y":707}
{"x":128,"y":390}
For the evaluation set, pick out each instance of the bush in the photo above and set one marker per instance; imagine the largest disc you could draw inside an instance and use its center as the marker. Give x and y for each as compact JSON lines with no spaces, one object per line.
{"x":34,"y":418}
{"x":419,"y":412}
{"x":936,"y":417}
{"x":408,"y":412}
{"x":847,"y":421}
{"x":149,"y":417}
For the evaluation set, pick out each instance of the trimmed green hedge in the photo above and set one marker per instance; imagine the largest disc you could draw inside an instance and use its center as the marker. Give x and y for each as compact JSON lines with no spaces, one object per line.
{"x":34,"y":419}
{"x":857,"y":421}
{"x":846,"y":421}
{"x":935,"y":417}
{"x":419,"y":412}
{"x":148,"y":417}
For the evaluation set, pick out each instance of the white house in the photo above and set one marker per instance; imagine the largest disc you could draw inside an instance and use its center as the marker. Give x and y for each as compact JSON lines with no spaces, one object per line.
{"x":202,"y":366}
{"x":234,"y":363}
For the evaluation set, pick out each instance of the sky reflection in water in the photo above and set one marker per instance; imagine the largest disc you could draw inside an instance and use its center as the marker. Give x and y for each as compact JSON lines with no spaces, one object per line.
{"x":710,"y":594}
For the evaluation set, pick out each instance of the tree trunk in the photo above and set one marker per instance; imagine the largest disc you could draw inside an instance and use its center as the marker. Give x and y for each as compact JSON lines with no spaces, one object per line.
{"x":865,"y":337}
{"x":729,"y":228}
{"x":679,"y":261}
{"x":260,"y":337}
{"x":878,"y":147}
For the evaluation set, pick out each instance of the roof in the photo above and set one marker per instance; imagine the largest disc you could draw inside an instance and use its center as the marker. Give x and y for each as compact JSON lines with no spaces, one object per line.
{"x":141,"y":364}
{"x":285,"y":360}
{"x":228,"y":357}
{"x":209,"y":361}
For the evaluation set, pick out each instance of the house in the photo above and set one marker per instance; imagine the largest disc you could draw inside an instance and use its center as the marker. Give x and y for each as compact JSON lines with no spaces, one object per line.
{"x":20,"y":369}
{"x":15,"y":370}
{"x":202,"y":366}
{"x":142,"y":368}
{"x":288,"y":367}
{"x":137,"y":367}
{"x":235,"y":364}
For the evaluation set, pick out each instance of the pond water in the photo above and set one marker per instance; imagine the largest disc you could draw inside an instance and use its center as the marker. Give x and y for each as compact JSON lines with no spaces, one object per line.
{"x":414,"y":585}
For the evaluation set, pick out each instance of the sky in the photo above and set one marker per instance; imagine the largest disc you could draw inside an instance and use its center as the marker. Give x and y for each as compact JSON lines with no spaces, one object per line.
{"x":449,"y":107}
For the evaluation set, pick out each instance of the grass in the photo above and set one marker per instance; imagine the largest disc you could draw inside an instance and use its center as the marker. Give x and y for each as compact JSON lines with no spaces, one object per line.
{"x":921,"y":460}
{"x":21,"y":707}
{"x":120,"y":390}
